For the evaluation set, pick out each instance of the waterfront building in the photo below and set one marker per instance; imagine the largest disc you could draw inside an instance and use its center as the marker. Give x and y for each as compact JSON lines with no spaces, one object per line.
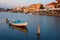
{"x":54,"y":4}
{"x":51,"y":5}
{"x":58,"y":3}
{"x":53,"y":8}
{"x":34,"y":7}
{"x":18,"y":9}
{"x":25,"y":10}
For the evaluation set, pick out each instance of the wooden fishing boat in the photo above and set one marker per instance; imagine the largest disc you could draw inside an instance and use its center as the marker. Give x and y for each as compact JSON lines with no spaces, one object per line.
{"x":18,"y":23}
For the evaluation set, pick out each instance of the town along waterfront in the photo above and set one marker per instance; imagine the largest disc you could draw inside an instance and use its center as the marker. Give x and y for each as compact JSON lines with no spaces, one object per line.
{"x":49,"y":27}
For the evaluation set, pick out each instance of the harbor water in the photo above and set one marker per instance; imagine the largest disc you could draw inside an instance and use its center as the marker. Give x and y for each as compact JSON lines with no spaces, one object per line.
{"x":49,"y":27}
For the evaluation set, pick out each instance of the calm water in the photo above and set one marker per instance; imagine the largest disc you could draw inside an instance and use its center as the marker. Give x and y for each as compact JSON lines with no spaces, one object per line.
{"x":50,"y":27}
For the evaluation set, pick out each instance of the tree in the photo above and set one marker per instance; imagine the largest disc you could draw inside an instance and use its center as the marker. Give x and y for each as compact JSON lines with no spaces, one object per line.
{"x":41,"y":6}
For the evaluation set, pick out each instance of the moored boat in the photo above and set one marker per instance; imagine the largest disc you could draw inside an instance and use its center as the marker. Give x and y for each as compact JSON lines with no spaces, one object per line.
{"x":18,"y":23}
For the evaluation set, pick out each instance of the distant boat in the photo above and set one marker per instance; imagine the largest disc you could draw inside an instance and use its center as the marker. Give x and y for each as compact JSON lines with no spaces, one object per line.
{"x":18,"y":23}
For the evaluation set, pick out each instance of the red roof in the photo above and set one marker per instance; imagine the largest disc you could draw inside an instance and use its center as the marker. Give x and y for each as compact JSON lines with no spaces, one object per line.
{"x":53,"y":3}
{"x":57,"y":0}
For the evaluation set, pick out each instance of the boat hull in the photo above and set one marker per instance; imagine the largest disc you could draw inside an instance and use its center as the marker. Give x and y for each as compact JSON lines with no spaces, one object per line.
{"x":23,"y":25}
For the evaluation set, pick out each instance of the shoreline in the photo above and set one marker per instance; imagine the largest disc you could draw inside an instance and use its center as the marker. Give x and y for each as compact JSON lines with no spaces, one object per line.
{"x":46,"y":14}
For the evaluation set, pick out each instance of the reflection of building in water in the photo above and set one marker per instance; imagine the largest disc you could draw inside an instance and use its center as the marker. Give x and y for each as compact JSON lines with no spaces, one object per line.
{"x":20,"y":29}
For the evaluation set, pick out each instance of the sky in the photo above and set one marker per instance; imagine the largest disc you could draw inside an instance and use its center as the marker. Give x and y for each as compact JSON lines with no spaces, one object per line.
{"x":17,"y":3}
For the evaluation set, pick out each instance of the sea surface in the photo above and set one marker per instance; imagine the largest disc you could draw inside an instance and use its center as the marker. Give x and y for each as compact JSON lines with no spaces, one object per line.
{"x":49,"y":27}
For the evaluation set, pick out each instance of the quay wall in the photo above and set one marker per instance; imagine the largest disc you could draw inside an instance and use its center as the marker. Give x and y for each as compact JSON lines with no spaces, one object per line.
{"x":51,"y":12}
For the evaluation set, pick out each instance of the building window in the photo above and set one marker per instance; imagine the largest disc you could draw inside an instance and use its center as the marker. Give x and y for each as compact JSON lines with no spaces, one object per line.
{"x":58,"y":6}
{"x":50,"y":13}
{"x":55,"y":13}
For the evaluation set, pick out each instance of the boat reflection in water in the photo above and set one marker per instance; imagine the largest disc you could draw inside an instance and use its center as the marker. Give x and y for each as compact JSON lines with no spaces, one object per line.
{"x":25,"y":30}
